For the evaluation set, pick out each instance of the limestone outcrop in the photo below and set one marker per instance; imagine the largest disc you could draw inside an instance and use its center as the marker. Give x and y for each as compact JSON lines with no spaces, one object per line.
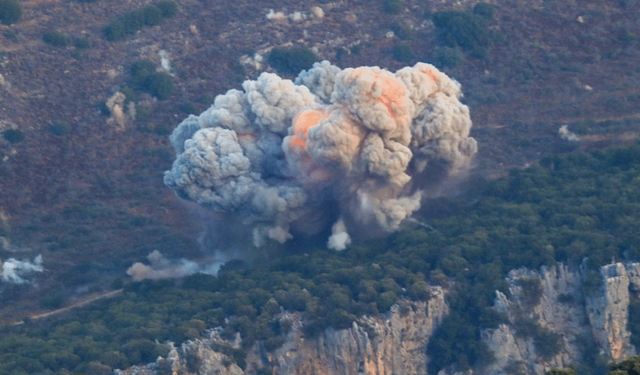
{"x":570,"y":316}
{"x":389,"y":345}
{"x":552,"y":318}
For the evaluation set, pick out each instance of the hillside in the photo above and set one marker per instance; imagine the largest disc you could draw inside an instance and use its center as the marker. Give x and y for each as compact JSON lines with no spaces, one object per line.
{"x":584,"y":205}
{"x":90,"y":198}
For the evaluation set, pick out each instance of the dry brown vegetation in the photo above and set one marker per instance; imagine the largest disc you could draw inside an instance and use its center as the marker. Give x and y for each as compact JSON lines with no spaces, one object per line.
{"x":92,"y":201}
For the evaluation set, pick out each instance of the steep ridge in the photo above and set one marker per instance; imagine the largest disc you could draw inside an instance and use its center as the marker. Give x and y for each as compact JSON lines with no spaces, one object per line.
{"x":395,"y":344}
{"x":553,"y":317}
{"x":583,"y":317}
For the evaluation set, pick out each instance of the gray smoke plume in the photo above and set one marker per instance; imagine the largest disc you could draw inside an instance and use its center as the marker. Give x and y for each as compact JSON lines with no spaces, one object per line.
{"x":14,"y":271}
{"x":567,"y":134}
{"x":162,"y":268}
{"x":350,"y":148}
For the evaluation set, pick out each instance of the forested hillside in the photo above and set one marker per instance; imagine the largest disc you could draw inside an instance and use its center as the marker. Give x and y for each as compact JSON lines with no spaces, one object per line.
{"x":566,"y":209}
{"x":90,"y":90}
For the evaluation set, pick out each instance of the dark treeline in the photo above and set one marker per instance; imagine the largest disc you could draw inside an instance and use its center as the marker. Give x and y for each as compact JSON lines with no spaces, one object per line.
{"x":585,"y":205}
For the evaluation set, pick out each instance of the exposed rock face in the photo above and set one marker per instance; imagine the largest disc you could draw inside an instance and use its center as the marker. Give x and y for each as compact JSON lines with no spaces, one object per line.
{"x":376,"y":346}
{"x":577,"y":317}
{"x":552,"y":317}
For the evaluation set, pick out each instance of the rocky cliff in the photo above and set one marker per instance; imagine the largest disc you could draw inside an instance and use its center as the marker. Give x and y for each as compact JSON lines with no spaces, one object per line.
{"x":394,"y":344}
{"x":553,"y":317}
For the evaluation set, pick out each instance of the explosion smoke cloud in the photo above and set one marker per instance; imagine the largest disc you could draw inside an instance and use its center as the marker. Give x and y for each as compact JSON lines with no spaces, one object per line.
{"x":14,"y":271}
{"x":567,"y":134}
{"x":340,"y":148}
{"x":162,"y":268}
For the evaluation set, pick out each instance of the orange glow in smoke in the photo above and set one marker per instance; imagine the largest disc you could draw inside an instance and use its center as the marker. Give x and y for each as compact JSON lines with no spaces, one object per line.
{"x":429,"y":73}
{"x":247,"y":137}
{"x":303,"y":122}
{"x":393,"y":92}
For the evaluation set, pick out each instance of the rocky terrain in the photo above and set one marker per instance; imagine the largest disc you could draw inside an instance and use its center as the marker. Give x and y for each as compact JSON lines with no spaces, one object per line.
{"x":92,"y":202}
{"x":584,"y":319}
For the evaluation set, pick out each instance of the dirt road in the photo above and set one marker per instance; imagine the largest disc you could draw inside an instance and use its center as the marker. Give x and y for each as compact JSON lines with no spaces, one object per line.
{"x":79,"y":303}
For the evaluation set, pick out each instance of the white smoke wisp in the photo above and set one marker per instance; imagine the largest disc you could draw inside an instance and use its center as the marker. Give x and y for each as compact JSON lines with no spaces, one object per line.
{"x":567,"y":134}
{"x":116,"y":105}
{"x":162,"y":268}
{"x":165,"y":64}
{"x":14,"y":271}
{"x":339,"y":239}
{"x":276,"y":16}
{"x":352,"y":147}
{"x":317,"y":12}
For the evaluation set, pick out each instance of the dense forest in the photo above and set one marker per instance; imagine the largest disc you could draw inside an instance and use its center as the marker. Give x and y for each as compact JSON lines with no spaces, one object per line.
{"x":629,"y":366}
{"x":564,"y":209}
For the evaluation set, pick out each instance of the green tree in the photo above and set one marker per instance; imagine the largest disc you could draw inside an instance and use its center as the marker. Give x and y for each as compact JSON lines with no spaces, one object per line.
{"x":292,"y":60}
{"x":630,"y":366}
{"x":152,"y":15}
{"x":563,"y":371}
{"x":10,"y":12}
{"x":168,"y":8}
{"x":402,"y":30}
{"x":55,"y":38}
{"x":116,"y":30}
{"x":403,"y":53}
{"x":81,"y":43}
{"x":447,"y":57}
{"x":463,"y":29}
{"x":160,"y":85}
{"x":393,"y":6}
{"x":13,"y":135}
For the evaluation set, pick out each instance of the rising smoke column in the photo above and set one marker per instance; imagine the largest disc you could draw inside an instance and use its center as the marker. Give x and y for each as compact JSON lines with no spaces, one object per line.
{"x":162,"y":268}
{"x":336,"y":148}
{"x":14,"y":271}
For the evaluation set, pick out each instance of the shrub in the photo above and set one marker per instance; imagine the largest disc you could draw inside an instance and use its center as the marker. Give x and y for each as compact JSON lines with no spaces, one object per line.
{"x":484,"y":10}
{"x":341,"y":53}
{"x":393,"y":6}
{"x":11,"y":35}
{"x":56,"y":38}
{"x":13,"y":135}
{"x":420,"y":291}
{"x":152,"y":15}
{"x":142,"y":114}
{"x":164,"y":367}
{"x":160,"y":85}
{"x":133,"y":21}
{"x":563,"y":371}
{"x":566,"y":298}
{"x":402,"y":30}
{"x":129,"y":94}
{"x":630,"y":366}
{"x":547,"y":343}
{"x":447,"y":57}
{"x":10,"y":12}
{"x":531,"y":291}
{"x":634,"y":321}
{"x":141,"y":70}
{"x":462,"y":29}
{"x":403,"y":53}
{"x":52,"y":301}
{"x":115,"y":31}
{"x":145,"y":78}
{"x":168,"y":8}
{"x":60,"y":128}
{"x":81,"y":43}
{"x":292,"y":60}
